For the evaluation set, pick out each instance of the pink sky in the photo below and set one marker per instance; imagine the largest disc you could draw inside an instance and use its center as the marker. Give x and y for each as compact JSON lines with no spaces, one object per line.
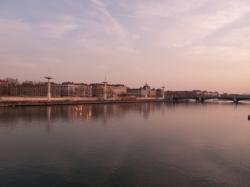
{"x":183,"y":45}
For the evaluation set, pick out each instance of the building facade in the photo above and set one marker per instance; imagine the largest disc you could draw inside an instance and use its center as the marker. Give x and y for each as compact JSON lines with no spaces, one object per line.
{"x":4,"y":88}
{"x":134,"y":92}
{"x":118,"y":90}
{"x":159,"y":92}
{"x":144,"y":91}
{"x":152,"y":92}
{"x":35,"y":90}
{"x":99,"y":88}
{"x":70,"y":89}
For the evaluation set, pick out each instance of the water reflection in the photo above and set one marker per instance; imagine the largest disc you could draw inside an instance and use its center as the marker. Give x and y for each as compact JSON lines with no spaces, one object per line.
{"x":10,"y":117}
{"x":150,"y":144}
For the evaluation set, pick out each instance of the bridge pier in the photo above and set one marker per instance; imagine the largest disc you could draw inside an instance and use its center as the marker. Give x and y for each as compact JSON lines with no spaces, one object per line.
{"x":172,"y":99}
{"x":236,"y":100}
{"x":202,"y":100}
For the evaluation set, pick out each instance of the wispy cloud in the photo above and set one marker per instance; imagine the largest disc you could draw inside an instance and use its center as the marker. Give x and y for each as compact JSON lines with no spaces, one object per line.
{"x":112,"y":24}
{"x":13,"y":25}
{"x":58,"y":28}
{"x":182,"y":23}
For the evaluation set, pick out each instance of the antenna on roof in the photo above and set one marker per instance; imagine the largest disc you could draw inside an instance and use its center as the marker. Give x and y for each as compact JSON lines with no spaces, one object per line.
{"x":105,"y":79}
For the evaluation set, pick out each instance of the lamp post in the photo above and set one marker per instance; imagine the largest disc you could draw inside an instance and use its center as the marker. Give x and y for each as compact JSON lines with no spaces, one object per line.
{"x":49,"y":88}
{"x":163,"y":92}
{"x":105,"y":90}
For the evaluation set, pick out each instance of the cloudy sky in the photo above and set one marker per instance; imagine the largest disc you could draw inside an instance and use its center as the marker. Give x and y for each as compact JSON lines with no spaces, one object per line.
{"x":195,"y":44}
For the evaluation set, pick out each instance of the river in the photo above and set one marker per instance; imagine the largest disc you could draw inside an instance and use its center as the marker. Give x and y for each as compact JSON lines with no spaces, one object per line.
{"x":125,"y":145}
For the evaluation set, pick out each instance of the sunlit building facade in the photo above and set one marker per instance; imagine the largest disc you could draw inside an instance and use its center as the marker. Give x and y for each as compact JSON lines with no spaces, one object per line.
{"x":70,"y":89}
{"x":35,"y":90}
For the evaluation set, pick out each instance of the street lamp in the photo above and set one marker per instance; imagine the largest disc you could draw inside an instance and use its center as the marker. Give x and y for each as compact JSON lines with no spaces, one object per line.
{"x":49,"y":87}
{"x":105,"y":90}
{"x":163,"y":92}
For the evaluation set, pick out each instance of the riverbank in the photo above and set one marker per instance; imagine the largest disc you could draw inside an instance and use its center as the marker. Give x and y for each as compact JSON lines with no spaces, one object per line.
{"x":43,"y":101}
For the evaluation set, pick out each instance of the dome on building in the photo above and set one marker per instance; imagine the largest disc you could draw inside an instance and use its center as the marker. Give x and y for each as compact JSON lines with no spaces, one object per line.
{"x":146,"y":86}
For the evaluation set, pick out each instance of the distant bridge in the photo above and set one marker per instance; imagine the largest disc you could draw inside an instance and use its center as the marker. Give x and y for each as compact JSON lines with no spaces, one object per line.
{"x":234,"y":98}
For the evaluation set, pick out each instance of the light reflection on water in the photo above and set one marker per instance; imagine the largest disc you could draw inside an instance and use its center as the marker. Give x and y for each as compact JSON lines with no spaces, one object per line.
{"x":151,"y":144}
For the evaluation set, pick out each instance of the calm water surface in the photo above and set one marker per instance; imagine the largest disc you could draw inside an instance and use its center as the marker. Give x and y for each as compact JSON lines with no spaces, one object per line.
{"x":125,"y":145}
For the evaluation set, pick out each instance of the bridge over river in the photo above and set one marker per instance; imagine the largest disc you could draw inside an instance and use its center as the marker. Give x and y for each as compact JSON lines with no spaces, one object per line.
{"x":200,"y":98}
